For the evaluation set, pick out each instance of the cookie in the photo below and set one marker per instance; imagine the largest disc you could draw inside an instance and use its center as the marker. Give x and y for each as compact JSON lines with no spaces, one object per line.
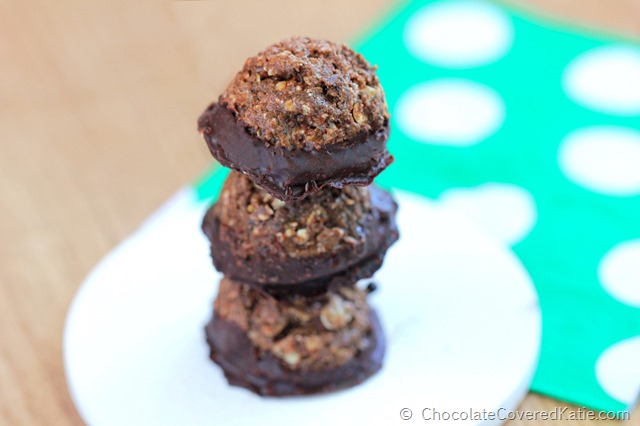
{"x":294,"y":345}
{"x":338,"y":235}
{"x":301,"y":115}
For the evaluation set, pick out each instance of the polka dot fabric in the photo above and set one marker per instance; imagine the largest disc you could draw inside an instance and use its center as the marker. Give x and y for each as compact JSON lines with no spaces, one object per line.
{"x":534,"y":132}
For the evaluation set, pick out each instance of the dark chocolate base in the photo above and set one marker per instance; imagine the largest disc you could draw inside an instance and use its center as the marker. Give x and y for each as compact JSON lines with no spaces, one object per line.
{"x":364,"y":269}
{"x":314,"y":273}
{"x":293,"y":174}
{"x":266,"y":375}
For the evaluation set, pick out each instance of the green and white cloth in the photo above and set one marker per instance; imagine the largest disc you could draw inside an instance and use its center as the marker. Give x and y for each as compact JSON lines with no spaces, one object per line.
{"x":533,"y":130}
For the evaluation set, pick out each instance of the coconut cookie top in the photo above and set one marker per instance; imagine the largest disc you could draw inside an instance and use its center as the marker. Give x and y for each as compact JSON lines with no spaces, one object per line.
{"x":307,"y":94}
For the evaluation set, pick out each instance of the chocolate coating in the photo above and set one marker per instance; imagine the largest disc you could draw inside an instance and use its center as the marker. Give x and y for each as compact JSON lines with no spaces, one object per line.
{"x":332,"y":236}
{"x":295,"y":345}
{"x":293,"y":174}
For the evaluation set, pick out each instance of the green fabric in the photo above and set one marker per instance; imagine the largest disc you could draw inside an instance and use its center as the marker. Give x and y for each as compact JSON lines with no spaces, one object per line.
{"x":209,"y":185}
{"x":575,"y":226}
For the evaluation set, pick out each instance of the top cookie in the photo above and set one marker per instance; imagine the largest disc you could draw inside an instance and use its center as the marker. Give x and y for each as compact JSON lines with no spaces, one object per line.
{"x":307,"y":94}
{"x":301,"y":115}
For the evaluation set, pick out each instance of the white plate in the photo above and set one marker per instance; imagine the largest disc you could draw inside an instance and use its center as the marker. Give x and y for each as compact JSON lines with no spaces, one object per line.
{"x":460,"y":314}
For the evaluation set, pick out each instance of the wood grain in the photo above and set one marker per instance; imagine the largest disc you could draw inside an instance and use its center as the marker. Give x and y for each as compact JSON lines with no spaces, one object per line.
{"x":98,"y":102}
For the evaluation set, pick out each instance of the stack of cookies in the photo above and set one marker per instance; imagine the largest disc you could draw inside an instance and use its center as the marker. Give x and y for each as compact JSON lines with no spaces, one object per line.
{"x":304,"y":127}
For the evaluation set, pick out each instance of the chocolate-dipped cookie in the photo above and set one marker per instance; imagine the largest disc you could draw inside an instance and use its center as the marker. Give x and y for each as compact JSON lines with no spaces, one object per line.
{"x":334,"y":235}
{"x":301,"y":115}
{"x":294,"y":345}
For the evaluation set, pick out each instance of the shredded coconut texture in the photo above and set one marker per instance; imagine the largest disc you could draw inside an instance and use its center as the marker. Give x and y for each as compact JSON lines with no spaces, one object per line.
{"x":303,"y":93}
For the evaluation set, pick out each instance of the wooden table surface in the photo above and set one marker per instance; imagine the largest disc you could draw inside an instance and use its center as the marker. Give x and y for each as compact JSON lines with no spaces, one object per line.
{"x":98,"y":102}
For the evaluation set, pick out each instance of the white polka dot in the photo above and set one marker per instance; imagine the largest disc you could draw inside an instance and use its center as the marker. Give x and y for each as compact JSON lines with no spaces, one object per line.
{"x":619,"y":272}
{"x":618,"y":370}
{"x":606,"y":79}
{"x":449,"y":112}
{"x":508,"y":212}
{"x":459,"y":34}
{"x":605,"y":159}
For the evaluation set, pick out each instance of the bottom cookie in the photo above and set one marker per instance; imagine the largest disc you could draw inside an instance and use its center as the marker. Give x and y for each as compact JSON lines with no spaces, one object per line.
{"x":294,"y":345}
